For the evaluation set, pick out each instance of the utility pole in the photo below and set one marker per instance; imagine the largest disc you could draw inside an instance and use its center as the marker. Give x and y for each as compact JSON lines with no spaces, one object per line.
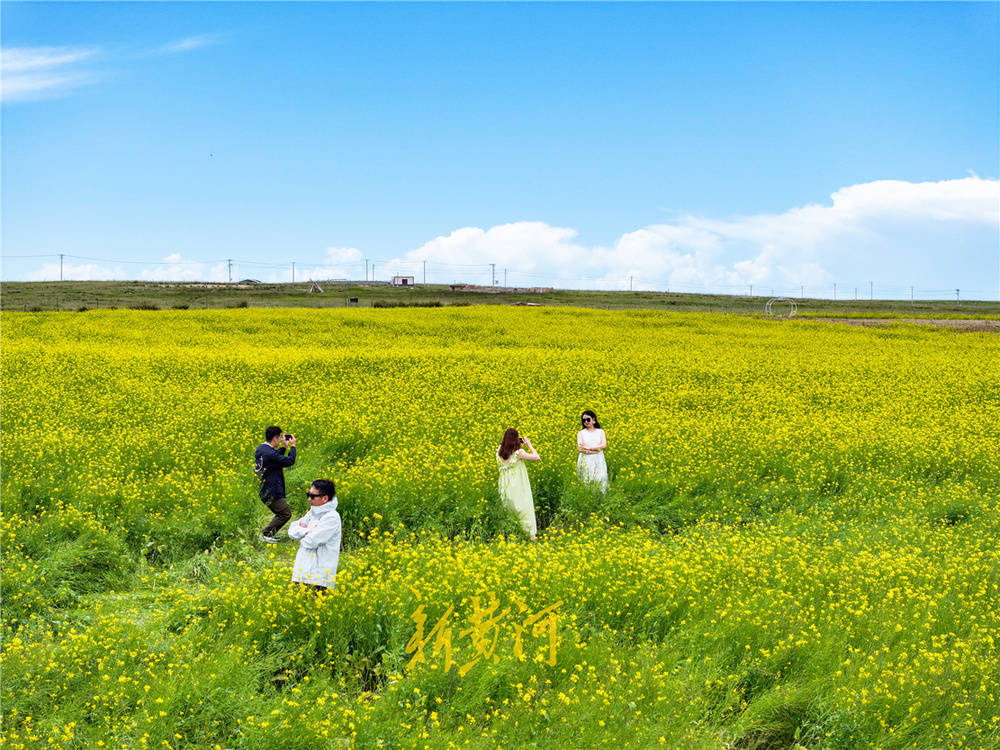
{"x":293,"y":271}
{"x":230,"y":262}
{"x":855,"y":292}
{"x":802,"y":291}
{"x":425,"y":271}
{"x":505,"y":278}
{"x":871,"y":286}
{"x":956,"y":296}
{"x":751,"y":290}
{"x":366,"y":269}
{"x":630,"y":283}
{"x":493,"y":274}
{"x":834,"y":292}
{"x":373,"y":270}
{"x":60,"y":266}
{"x":911,"y":294}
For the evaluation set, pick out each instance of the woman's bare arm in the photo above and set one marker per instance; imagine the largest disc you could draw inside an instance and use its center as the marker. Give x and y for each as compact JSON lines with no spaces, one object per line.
{"x":531,"y":454}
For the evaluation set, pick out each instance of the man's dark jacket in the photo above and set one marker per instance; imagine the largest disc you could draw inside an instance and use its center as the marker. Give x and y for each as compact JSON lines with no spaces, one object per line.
{"x":268,"y":463}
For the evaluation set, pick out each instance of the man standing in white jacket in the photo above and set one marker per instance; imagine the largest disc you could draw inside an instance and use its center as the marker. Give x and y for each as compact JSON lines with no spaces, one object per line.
{"x":318,"y":532}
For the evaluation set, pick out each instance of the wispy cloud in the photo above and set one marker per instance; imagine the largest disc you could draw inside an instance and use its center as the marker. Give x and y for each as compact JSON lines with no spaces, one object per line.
{"x":21,"y":59}
{"x":31,"y":73}
{"x":189,"y":43}
{"x":42,"y":72}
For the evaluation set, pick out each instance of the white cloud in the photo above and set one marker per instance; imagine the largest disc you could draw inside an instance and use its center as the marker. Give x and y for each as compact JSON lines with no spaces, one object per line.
{"x":175,"y":268}
{"x":521,"y":245}
{"x":891,"y":230}
{"x":343,"y":255}
{"x":339,"y":263}
{"x":38,"y":72}
{"x":970,"y":199}
{"x":892,"y":226}
{"x":190,"y":43}
{"x":526,"y":247}
{"x":81,"y":272}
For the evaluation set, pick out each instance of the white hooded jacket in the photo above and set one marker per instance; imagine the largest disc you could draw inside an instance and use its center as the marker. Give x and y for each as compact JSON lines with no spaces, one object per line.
{"x":318,"y":532}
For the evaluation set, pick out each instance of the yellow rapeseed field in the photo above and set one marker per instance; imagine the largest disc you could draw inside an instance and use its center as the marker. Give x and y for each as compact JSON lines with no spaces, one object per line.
{"x":798,"y":548}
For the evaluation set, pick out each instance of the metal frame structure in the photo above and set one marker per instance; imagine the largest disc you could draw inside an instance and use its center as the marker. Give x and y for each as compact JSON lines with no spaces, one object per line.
{"x":769,"y":307}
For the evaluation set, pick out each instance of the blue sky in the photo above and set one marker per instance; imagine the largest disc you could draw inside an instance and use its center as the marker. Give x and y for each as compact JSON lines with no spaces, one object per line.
{"x":691,"y":147}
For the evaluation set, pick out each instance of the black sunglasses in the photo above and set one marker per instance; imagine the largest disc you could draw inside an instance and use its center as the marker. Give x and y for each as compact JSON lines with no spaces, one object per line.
{"x":587,"y":419}
{"x":314,"y":494}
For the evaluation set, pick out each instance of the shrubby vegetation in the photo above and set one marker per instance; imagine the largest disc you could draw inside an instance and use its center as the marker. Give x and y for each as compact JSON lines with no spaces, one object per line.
{"x":799,"y":546}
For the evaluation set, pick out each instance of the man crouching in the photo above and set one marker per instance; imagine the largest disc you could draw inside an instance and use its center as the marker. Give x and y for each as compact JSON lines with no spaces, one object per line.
{"x":318,"y":532}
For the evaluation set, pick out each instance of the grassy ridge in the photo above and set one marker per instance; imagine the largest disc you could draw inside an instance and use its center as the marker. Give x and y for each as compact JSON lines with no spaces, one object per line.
{"x":150,"y":295}
{"x":799,"y":545}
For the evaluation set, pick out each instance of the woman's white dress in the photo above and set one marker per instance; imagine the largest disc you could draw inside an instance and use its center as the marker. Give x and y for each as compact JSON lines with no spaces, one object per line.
{"x":516,"y":490}
{"x":591,"y":467}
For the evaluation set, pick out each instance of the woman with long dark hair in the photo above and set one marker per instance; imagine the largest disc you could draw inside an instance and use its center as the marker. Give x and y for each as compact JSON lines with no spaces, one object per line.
{"x":590,"y":444}
{"x":515,"y":490}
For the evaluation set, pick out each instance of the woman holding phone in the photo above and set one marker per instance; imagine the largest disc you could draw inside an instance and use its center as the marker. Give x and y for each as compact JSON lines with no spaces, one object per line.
{"x":515,"y":489}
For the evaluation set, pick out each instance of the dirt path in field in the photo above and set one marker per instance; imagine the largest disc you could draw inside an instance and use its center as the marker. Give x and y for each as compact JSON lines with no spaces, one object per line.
{"x":988,"y":326}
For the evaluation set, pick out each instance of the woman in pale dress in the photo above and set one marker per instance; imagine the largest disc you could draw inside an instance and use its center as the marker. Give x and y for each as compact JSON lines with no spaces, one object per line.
{"x":515,"y":489}
{"x":590,"y":444}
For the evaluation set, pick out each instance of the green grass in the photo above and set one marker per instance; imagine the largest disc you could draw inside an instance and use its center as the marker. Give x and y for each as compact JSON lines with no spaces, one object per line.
{"x":86,"y":295}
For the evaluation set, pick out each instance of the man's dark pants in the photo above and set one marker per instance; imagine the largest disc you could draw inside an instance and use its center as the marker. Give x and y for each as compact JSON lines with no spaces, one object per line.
{"x":282,"y":514}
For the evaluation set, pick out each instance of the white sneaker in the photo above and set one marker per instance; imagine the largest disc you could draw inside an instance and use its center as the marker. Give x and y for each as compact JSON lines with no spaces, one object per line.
{"x":269,"y":539}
